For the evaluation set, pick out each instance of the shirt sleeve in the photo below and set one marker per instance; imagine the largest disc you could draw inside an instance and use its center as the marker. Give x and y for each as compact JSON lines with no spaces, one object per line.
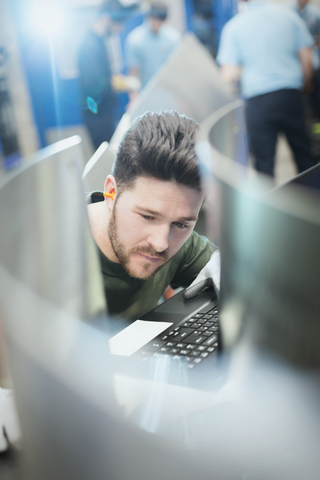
{"x":304,"y":37}
{"x":229,"y":50}
{"x":195,"y":254}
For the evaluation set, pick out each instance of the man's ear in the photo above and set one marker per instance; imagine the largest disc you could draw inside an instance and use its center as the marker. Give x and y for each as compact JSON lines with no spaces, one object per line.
{"x":110,"y":190}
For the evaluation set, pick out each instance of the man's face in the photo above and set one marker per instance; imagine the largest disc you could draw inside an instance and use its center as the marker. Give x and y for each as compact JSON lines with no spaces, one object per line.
{"x":155,"y":24}
{"x":150,"y":222}
{"x":302,"y":3}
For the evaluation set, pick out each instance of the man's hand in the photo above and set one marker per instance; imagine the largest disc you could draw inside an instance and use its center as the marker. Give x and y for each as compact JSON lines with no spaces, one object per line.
{"x":208,"y":276}
{"x":9,"y":426}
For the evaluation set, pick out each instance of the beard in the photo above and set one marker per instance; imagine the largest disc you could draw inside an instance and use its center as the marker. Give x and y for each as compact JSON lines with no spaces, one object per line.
{"x":124,"y":255}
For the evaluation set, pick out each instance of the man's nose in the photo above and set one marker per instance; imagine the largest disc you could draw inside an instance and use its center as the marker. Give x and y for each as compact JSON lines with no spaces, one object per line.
{"x":159,"y":237}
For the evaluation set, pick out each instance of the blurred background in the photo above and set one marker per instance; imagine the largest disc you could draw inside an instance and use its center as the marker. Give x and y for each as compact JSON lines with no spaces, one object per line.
{"x":39,"y":78}
{"x":39,"y":42}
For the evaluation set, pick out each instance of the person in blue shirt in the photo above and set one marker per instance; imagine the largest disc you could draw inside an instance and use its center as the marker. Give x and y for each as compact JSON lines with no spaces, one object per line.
{"x":268,"y":48}
{"x":148,"y":46}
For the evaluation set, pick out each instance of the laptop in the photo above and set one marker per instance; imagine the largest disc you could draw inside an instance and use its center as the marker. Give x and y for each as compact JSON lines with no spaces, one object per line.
{"x":186,"y":332}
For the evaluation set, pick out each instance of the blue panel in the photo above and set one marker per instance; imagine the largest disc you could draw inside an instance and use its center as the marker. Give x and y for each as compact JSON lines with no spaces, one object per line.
{"x":55,"y":101}
{"x":223,"y":11}
{"x":206,"y":19}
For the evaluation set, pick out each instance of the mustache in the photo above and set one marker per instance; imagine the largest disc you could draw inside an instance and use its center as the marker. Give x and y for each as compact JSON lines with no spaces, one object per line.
{"x":150,"y":251}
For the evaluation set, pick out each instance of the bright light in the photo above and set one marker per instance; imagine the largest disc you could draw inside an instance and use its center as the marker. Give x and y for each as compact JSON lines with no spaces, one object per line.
{"x":47,"y":19}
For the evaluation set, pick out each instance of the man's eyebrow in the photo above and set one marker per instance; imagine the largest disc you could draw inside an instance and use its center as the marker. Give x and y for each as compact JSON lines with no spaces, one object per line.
{"x":153,"y":213}
{"x":187,"y":219}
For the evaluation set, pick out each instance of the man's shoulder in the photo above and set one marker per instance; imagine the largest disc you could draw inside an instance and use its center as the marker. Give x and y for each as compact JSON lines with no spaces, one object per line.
{"x":137,"y":34}
{"x":237,"y":22}
{"x":195,"y":243}
{"x":170,"y":32}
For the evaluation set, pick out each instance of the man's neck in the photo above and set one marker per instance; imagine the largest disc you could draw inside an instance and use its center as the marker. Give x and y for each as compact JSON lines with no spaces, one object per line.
{"x":99,"y":217}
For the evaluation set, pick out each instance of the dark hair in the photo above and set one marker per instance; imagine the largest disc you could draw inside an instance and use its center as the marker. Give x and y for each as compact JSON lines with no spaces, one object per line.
{"x":158,"y":10}
{"x":158,"y":145}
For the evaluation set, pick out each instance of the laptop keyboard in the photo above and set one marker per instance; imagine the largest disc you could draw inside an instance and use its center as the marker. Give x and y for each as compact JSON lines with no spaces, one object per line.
{"x":194,"y":339}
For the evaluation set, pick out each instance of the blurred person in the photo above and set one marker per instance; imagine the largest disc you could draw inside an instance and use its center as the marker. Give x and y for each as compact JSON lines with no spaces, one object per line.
{"x":310,"y":14}
{"x":98,"y":99}
{"x":148,"y":46}
{"x":268,"y":48}
{"x":143,"y":223}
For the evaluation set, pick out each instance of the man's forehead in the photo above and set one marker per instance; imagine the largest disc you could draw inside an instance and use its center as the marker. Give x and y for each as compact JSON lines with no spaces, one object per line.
{"x":151,"y":193}
{"x":147,"y":182}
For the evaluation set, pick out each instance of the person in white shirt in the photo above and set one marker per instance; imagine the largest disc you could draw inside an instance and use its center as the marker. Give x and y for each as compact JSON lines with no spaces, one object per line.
{"x":149,"y":45}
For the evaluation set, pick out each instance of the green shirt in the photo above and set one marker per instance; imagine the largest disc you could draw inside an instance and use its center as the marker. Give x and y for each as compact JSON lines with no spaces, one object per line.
{"x":132,"y":297}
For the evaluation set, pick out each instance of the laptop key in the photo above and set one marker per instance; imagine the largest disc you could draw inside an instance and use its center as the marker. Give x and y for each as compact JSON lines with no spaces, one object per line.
{"x":197,"y":360}
{"x":214,"y":329}
{"x":183,"y":333}
{"x":208,"y":324}
{"x":204,"y":354}
{"x":174,"y":350}
{"x":197,"y":315}
{"x":164,"y":349}
{"x":211,"y":340}
{"x":155,"y":346}
{"x":195,"y":339}
{"x":201,"y":348}
{"x":194,"y":353}
{"x":207,"y":309}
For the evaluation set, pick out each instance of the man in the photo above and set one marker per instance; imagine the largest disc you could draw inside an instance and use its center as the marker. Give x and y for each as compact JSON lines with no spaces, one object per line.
{"x":268,"y":48}
{"x":143,"y":223}
{"x":97,"y":97}
{"x":149,"y":45}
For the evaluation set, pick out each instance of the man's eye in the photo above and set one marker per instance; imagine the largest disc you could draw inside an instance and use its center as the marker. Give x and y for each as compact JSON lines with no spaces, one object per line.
{"x":147,"y":217}
{"x":181,"y":225}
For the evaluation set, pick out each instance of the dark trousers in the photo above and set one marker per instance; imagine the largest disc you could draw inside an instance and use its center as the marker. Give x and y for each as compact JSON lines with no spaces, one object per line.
{"x":272,"y":113}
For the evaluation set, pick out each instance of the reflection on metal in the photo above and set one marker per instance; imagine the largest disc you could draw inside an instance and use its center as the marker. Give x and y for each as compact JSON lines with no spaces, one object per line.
{"x":94,"y":159}
{"x":269,"y":309}
{"x":189,"y":82}
{"x":45,"y":240}
{"x":269,"y":246}
{"x":230,"y":142}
